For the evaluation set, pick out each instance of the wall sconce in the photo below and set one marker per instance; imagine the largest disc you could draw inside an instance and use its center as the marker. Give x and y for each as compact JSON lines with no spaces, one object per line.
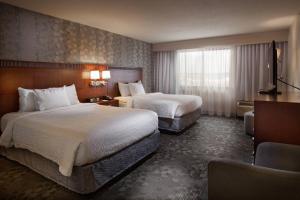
{"x":95,"y":78}
{"x":106,"y":75}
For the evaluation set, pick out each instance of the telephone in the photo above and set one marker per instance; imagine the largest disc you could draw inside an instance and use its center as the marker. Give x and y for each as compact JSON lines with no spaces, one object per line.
{"x":107,"y":97}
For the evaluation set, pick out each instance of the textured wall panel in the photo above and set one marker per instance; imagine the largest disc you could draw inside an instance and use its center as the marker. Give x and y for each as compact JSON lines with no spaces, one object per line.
{"x":30,"y":36}
{"x":87,"y":44}
{"x":71,"y":42}
{"x":9,"y":36}
{"x":27,"y":42}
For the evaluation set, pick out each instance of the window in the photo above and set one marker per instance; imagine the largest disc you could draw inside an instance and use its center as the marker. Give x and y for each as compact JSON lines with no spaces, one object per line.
{"x":204,"y":68}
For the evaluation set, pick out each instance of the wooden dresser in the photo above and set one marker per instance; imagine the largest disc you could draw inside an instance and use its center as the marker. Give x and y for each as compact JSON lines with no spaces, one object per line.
{"x":277,"y":118}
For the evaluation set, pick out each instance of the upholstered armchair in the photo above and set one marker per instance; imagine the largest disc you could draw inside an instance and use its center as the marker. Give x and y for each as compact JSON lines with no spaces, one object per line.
{"x":275,"y":175}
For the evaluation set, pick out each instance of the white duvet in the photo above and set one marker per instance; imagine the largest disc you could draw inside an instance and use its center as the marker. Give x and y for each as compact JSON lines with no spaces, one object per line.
{"x":78,"y":134}
{"x":165,"y":105}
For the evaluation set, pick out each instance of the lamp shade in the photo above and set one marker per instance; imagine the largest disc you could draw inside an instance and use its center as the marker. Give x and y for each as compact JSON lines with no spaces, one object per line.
{"x":106,"y":74}
{"x":94,"y":74}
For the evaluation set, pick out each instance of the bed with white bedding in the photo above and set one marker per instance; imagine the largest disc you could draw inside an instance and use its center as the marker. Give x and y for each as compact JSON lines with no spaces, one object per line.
{"x":175,"y":112}
{"x":80,"y":146}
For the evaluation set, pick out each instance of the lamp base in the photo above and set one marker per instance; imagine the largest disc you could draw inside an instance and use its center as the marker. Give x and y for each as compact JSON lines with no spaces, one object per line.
{"x":97,"y":83}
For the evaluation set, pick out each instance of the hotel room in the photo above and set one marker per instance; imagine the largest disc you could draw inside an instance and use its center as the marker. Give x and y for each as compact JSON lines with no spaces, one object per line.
{"x":160,"y":99}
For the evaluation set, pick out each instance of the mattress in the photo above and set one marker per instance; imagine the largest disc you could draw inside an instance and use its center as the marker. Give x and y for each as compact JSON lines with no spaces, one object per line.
{"x":87,"y":178}
{"x":165,"y":105}
{"x":77,"y":135}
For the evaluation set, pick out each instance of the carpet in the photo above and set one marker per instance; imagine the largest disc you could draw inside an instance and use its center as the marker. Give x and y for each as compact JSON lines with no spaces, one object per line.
{"x":178,"y":170}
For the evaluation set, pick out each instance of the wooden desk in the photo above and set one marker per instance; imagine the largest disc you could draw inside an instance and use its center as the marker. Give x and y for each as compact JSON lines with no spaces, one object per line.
{"x":277,"y":118}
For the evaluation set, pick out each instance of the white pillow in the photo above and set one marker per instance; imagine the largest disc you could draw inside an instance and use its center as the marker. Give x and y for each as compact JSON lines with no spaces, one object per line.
{"x":124,"y":89}
{"x":51,"y":98}
{"x":26,"y":100}
{"x":136,"y":88}
{"x":72,"y":94}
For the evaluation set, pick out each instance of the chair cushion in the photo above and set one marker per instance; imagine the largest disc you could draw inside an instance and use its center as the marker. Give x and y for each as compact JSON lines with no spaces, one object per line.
{"x":229,"y":180}
{"x":278,"y":156}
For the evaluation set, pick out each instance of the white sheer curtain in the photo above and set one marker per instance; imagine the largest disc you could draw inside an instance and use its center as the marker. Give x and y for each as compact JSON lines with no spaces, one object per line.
{"x":221,"y":76}
{"x":209,"y":74}
{"x":164,"y":71}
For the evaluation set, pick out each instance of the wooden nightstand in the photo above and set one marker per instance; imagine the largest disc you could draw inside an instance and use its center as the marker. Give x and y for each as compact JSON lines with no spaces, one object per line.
{"x":113,"y":102}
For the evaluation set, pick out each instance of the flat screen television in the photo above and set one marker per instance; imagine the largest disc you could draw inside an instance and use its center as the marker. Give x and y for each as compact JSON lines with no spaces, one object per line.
{"x":272,"y":62}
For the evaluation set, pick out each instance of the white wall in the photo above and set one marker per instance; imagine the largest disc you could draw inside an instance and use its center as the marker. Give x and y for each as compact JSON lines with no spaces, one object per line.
{"x":252,"y":38}
{"x":294,"y":53}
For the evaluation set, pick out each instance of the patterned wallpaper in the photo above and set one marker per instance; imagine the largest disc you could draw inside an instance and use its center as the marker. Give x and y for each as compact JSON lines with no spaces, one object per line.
{"x":30,"y":36}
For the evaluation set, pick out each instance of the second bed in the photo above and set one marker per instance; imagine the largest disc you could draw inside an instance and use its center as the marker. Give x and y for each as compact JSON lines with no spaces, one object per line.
{"x":175,"y":112}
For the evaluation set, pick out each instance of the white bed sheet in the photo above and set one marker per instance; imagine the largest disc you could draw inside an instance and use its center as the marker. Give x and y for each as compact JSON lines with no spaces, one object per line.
{"x":77,"y":134}
{"x":11,"y":116}
{"x":165,"y":105}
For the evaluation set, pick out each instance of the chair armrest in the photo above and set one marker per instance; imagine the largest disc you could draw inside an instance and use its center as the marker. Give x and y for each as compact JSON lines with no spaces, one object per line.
{"x":229,"y":180}
{"x":278,"y":156}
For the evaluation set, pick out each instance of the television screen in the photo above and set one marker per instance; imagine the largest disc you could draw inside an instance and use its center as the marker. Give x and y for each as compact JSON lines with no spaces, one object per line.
{"x":272,"y":62}
{"x":272,"y":65}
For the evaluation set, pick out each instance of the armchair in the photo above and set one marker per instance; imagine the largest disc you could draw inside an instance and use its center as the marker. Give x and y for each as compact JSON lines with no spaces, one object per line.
{"x":275,"y":175}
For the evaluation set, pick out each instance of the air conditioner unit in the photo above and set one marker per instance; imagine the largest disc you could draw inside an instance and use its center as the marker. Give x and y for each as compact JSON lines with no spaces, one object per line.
{"x":243,"y":107}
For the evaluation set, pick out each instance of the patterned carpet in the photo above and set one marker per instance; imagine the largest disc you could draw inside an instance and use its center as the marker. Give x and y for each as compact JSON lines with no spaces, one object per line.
{"x":177,"y":171}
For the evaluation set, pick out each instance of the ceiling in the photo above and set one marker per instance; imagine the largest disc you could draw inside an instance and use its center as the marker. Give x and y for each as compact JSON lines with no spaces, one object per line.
{"x":157,"y":21}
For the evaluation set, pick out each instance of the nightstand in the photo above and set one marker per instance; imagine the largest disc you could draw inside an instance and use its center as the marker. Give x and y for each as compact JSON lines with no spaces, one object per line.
{"x":113,"y":102}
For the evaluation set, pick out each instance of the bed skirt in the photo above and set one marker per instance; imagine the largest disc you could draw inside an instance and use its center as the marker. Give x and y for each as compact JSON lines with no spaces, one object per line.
{"x":88,"y":178}
{"x":178,"y":124}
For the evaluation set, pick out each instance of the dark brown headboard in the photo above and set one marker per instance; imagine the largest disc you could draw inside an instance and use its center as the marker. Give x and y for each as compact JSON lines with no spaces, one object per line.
{"x":14,"y":74}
